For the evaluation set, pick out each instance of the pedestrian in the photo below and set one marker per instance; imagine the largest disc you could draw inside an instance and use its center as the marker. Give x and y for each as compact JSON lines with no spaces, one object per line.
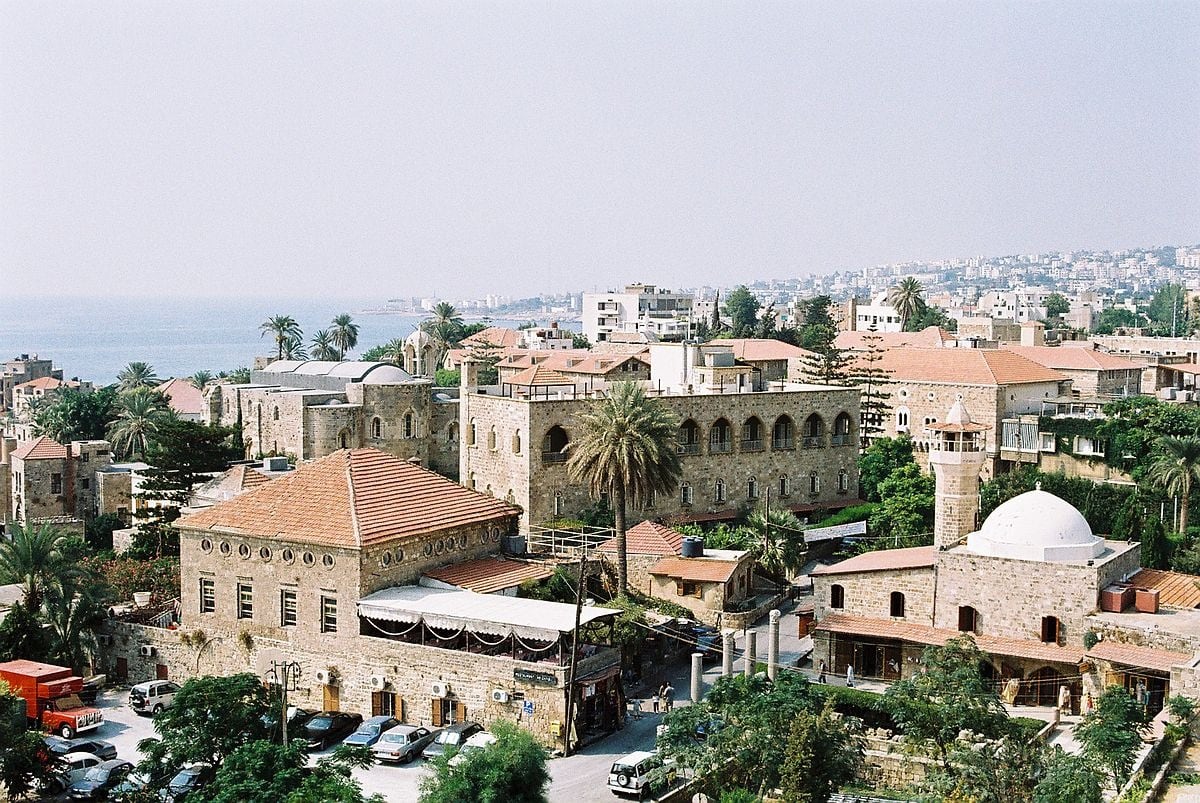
{"x":657,"y":699}
{"x":850,"y":676}
{"x":668,"y":696}
{"x":821,"y":673}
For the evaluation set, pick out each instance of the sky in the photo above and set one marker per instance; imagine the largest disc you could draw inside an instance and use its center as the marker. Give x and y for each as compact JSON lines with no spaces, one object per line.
{"x":350,"y":148}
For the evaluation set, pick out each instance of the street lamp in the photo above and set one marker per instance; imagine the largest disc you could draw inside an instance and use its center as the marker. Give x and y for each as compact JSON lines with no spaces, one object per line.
{"x":285,"y":675}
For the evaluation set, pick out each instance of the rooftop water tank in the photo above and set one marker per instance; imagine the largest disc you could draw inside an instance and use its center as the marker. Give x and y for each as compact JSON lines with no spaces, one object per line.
{"x":693,"y":547}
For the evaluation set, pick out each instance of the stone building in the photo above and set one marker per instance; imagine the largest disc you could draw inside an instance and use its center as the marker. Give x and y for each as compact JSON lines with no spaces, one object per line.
{"x":738,"y":440}
{"x":50,"y":481}
{"x":20,"y":370}
{"x":1027,"y":585}
{"x":772,"y":358}
{"x":1094,"y":374}
{"x":311,"y":409}
{"x":583,"y":367}
{"x":324,"y":566}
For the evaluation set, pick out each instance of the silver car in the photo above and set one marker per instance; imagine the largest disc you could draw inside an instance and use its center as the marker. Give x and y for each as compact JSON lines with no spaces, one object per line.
{"x":403,"y":743}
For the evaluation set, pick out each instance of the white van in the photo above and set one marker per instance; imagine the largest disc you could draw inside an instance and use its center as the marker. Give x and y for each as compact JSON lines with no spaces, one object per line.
{"x":634,"y":775}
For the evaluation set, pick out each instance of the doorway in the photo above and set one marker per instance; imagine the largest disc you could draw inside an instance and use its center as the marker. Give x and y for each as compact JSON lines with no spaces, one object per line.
{"x":332,"y":698}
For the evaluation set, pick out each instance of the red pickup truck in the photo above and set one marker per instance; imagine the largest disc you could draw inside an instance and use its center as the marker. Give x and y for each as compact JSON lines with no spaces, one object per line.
{"x":51,"y":695}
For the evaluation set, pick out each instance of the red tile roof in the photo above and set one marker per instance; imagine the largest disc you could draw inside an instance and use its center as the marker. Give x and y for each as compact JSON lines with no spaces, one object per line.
{"x":538,"y":375}
{"x":703,"y":570}
{"x":929,"y":337}
{"x":924,"y":634}
{"x":1140,"y":657}
{"x":752,"y":349}
{"x":43,"y":383}
{"x":488,"y":575}
{"x":351,"y":498}
{"x":1175,"y":590}
{"x":987,"y":367}
{"x":1075,"y":359}
{"x":43,"y":448}
{"x":647,"y":538}
{"x":184,"y":397}
{"x":493,"y":337}
{"x":881,"y":560}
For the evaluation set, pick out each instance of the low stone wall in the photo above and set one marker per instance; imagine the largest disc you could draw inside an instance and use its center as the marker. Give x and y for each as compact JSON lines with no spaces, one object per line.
{"x":887,"y":765}
{"x":743,"y":619}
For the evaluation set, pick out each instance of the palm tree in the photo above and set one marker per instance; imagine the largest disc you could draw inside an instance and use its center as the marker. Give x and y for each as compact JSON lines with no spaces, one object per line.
{"x":444,"y":329}
{"x":281,"y":327}
{"x":628,"y":449}
{"x":1174,"y":468}
{"x":200,"y":379}
{"x":907,"y":298}
{"x":139,"y":414}
{"x":293,"y":349}
{"x":324,"y":346}
{"x":136,"y":375}
{"x":393,"y":351}
{"x":780,"y":545}
{"x":73,"y":609}
{"x":35,"y":559}
{"x":345,"y":334}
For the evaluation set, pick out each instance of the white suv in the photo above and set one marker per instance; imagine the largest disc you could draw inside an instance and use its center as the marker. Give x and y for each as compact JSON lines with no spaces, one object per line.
{"x":631,"y":775}
{"x":152,"y":696}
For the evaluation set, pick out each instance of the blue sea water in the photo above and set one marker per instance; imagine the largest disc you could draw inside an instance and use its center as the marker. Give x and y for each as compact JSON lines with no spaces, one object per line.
{"x":94,"y":339}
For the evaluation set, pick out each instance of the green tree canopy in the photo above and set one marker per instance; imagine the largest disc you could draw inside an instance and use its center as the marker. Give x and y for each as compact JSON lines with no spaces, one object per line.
{"x":265,"y":772}
{"x":1175,"y":468}
{"x":139,"y":414}
{"x":1169,"y":310}
{"x":136,"y":375}
{"x":905,"y":512}
{"x":323,"y":346}
{"x":742,"y":307}
{"x":1111,"y":733}
{"x":37,"y":557}
{"x":344,"y":333}
{"x":282,"y":328}
{"x":822,"y":756}
{"x":513,"y":770}
{"x":1057,"y":305}
{"x":75,"y":415}
{"x":23,"y":760}
{"x":907,"y":298}
{"x":1115,"y":318}
{"x":880,"y":459}
{"x":1069,"y":777}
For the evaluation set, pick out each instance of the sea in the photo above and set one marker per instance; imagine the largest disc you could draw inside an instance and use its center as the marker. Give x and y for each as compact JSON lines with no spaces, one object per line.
{"x":93,"y":339}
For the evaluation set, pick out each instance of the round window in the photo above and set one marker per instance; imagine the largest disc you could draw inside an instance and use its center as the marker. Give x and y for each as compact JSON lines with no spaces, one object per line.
{"x":287,"y":555}
{"x":399,"y":554}
{"x":327,"y":560}
{"x":386,"y":558}
{"x":309,"y":559}
{"x":439,"y":547}
{"x":226,"y":548}
{"x":206,"y":544}
{"x":265,"y":552}
{"x":244,"y":550}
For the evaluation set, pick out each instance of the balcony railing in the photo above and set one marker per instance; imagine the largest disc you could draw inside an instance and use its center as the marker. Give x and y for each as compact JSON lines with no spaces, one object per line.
{"x":782,"y":443}
{"x":554,"y":457}
{"x":842,"y":440}
{"x":752,"y":445}
{"x":719,"y":447}
{"x":689,"y":448}
{"x":813,"y":441}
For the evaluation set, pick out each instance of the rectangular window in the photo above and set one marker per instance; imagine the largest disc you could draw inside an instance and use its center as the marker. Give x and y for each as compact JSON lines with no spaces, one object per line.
{"x":56,"y":483}
{"x":287,"y":607}
{"x":208,"y":595}
{"x":328,"y":615}
{"x":245,"y":601}
{"x":85,"y":483}
{"x":383,"y":704}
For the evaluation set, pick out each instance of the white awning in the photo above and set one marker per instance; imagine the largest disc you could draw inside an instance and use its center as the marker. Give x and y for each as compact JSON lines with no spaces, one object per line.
{"x":452,"y":609}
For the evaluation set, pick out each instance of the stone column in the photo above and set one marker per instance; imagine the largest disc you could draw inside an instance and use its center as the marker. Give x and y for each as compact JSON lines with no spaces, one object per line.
{"x":697,"y":676}
{"x":727,"y":655}
{"x":751,"y":639}
{"x":773,"y":645}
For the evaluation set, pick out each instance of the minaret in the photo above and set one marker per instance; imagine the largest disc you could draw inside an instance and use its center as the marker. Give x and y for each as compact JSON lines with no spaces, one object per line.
{"x":956,"y":452}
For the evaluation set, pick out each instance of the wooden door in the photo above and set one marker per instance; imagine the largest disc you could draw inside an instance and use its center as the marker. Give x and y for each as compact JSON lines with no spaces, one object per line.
{"x":435,"y":714}
{"x":160,"y":671}
{"x":332,"y":702}
{"x":122,"y":669}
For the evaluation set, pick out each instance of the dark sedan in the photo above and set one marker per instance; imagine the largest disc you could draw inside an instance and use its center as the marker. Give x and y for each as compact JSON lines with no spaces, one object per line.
{"x":297,"y":719}
{"x":96,"y":784}
{"x":330,"y":727}
{"x":59,"y":747}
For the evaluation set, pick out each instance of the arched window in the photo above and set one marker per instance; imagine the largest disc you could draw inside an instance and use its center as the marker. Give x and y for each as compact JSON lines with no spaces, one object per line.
{"x":344,"y":439}
{"x":897,"y":604}
{"x":752,"y":434}
{"x":843,"y":481}
{"x":559,"y":504}
{"x":1051,"y":630}
{"x":814,"y":483}
{"x":452,"y":432}
{"x":516,"y":443}
{"x":968,"y":619}
{"x":689,"y":437}
{"x":719,"y":492}
{"x":785,"y":486}
{"x":837,"y":596}
{"x":902,"y":419}
{"x":718,"y":437}
{"x":685,"y":494}
{"x":781,"y":433}
{"x":554,"y":445}
{"x":376,"y":427}
{"x":275,"y":413}
{"x":410,"y":429}
{"x":841,"y":430}
{"x":814,"y":432}
{"x":752,"y":488}
{"x":471,"y":432}
{"x":492,"y":438}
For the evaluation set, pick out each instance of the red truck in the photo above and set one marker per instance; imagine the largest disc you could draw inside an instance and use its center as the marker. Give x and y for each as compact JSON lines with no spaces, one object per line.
{"x":51,"y":695}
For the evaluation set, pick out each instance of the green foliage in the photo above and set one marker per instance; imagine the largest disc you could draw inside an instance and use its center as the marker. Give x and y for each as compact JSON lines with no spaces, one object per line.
{"x":23,"y":760}
{"x":72,"y":610}
{"x":579,"y":341}
{"x":1183,"y":709}
{"x":868,"y":706}
{"x":908,"y":299}
{"x":445,"y":378}
{"x":1115,"y":318}
{"x":1069,"y":777}
{"x":739,"y":796}
{"x":236,"y":376}
{"x":136,"y":375}
{"x":380,"y":353}
{"x":22,"y":635}
{"x":1057,"y":305}
{"x":948,"y":696}
{"x":849,"y":515}
{"x":1107,"y":507}
{"x":1169,"y":310}
{"x":1175,"y":468}
{"x":125,"y":575}
{"x":344,"y":334}
{"x":778,"y":541}
{"x":513,"y":770}
{"x":1006,"y":770}
{"x":558,"y":587}
{"x":872,"y":380}
{"x":905,"y":516}
{"x":1111,"y":733}
{"x":927,"y":316}
{"x":822,"y":754}
{"x":283,"y":329}
{"x":98,"y":533}
{"x":880,"y":459}
{"x":265,"y":772}
{"x":140,"y":413}
{"x":742,"y":308}
{"x":729,"y":536}
{"x":38,"y":557}
{"x":209,"y":719}
{"x":76,"y":415}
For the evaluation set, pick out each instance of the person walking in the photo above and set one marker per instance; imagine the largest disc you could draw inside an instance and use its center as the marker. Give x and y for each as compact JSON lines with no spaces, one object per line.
{"x":658,"y":698}
{"x":821,"y":674}
{"x":668,"y":696}
{"x":850,"y":676}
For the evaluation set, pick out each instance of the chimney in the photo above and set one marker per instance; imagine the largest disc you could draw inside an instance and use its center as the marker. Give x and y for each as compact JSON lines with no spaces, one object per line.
{"x":1033,"y":333}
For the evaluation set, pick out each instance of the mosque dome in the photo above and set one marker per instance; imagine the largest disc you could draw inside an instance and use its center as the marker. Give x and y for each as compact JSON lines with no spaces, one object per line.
{"x":1036,"y":526}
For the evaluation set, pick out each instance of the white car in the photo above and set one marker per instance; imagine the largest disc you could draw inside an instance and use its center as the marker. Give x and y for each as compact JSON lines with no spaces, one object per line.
{"x":69,"y":769}
{"x":152,"y":696}
{"x":477,"y":742}
{"x":632,"y":775}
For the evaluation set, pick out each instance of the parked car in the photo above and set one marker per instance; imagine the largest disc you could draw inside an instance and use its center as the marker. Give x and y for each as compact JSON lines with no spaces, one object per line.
{"x":639,"y":774}
{"x":69,"y":769}
{"x":330,"y":727}
{"x":101,"y":749}
{"x":707,"y":727}
{"x":370,"y":730}
{"x":477,"y":742}
{"x":91,"y":688}
{"x":403,"y":743}
{"x":131,"y":787}
{"x":297,"y":718}
{"x":451,"y":736}
{"x":152,"y":696}
{"x":186,"y":781}
{"x":98,"y":781}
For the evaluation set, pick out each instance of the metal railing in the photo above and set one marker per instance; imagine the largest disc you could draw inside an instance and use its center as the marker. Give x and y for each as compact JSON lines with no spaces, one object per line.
{"x":719,"y":447}
{"x":842,"y":440}
{"x":565,"y":541}
{"x":783,"y":443}
{"x":689,"y":448}
{"x":554,"y":457}
{"x":752,"y":445}
{"x":813,"y":441}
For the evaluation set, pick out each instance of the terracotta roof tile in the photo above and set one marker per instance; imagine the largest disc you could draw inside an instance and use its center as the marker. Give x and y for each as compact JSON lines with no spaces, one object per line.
{"x":493,"y":337}
{"x":647,"y":538}
{"x":704,"y":570}
{"x":43,"y":448}
{"x":1140,"y":657}
{"x":43,"y":383}
{"x":929,"y":337}
{"x":987,"y":367}
{"x":924,"y":634}
{"x":351,"y":498}
{"x":538,"y":375}
{"x":1074,"y":359}
{"x":916,"y":557}
{"x":488,"y":575}
{"x":1175,"y":590}
{"x":753,"y":349}
{"x":184,"y":397}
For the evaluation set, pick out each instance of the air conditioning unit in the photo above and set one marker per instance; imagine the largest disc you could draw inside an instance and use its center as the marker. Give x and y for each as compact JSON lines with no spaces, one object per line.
{"x":499,"y":696}
{"x":146,"y":651}
{"x":323,"y":676}
{"x":104,"y":640}
{"x":378,"y":682}
{"x":441,"y":689}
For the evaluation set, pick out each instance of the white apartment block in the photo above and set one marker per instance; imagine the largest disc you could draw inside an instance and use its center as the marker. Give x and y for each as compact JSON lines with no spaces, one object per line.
{"x":638,"y":308}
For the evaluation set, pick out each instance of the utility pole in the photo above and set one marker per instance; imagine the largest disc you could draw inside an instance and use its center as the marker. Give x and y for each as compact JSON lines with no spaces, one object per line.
{"x":285,"y":675}
{"x":575,"y":647}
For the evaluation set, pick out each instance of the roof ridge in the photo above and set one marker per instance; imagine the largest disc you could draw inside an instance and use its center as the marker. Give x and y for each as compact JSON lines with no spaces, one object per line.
{"x":354,"y":522}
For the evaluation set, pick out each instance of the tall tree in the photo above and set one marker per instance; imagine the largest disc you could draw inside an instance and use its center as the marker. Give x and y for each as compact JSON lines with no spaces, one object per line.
{"x":907,"y":298}
{"x":345,"y":334}
{"x":1057,"y":305}
{"x":1169,"y":310}
{"x":880,"y":459}
{"x":324,"y":346}
{"x":281,"y":328}
{"x":743,"y":308}
{"x":445,"y":329}
{"x":873,"y":379}
{"x":36,"y":557}
{"x":293,"y":349}
{"x":73,"y":609}
{"x":512,"y":770}
{"x":200,"y":379}
{"x":1111,"y":733}
{"x":136,"y":375}
{"x":1174,"y":468}
{"x":714,"y":325}
{"x":628,"y":448}
{"x":265,"y":772}
{"x":140,"y":413}
{"x":823,"y":754}
{"x":75,"y":415}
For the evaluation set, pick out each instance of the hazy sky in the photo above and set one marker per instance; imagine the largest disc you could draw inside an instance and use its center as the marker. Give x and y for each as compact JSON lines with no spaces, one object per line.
{"x":457,"y":148}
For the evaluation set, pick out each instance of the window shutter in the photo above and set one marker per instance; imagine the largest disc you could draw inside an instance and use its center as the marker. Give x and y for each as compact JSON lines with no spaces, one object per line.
{"x":436,"y":718}
{"x":460,"y":712}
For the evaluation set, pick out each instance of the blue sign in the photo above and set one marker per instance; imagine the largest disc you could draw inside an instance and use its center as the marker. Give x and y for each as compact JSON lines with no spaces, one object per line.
{"x":527,"y":708}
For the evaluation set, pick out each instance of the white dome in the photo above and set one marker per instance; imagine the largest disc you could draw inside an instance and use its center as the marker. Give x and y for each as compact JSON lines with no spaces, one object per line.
{"x":1036,"y":526}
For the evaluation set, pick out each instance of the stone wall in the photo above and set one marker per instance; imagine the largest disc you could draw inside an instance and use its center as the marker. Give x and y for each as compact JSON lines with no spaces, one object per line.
{"x":706,"y":604}
{"x":869,"y":594}
{"x":114,"y":492}
{"x":33,"y":489}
